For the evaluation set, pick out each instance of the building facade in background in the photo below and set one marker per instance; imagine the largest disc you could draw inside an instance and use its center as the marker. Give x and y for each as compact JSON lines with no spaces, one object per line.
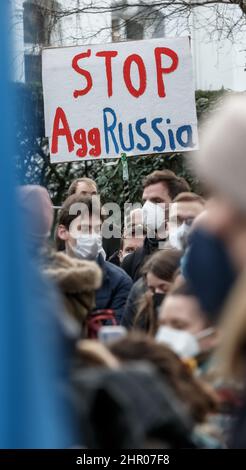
{"x":46,"y":23}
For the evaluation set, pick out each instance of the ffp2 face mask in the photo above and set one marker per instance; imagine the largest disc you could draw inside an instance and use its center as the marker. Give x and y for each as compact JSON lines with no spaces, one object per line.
{"x":183,"y":343}
{"x":153,"y":216}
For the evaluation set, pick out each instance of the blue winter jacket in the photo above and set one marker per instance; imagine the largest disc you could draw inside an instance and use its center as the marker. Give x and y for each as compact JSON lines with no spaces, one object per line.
{"x":115,"y":288}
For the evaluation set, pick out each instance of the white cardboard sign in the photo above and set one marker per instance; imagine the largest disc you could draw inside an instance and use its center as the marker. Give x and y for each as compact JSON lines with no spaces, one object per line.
{"x":132,"y":97}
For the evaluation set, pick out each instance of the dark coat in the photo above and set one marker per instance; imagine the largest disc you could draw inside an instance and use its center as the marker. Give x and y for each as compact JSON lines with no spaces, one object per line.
{"x":115,"y":259}
{"x":132,"y":304}
{"x":115,"y":288}
{"x":129,"y":408}
{"x":110,"y":245}
{"x":133,"y":263}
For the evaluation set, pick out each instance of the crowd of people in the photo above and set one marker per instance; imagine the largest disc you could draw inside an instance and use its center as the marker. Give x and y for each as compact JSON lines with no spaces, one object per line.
{"x":155,"y":319}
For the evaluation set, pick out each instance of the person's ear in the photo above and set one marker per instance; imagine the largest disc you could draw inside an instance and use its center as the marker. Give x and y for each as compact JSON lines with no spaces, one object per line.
{"x":120,"y":256}
{"x":62,"y":232}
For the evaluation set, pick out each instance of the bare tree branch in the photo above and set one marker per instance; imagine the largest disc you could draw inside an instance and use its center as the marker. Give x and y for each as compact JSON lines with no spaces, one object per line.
{"x":227,"y":16}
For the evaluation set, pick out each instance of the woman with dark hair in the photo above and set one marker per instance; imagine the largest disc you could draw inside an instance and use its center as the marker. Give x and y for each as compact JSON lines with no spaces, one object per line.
{"x":198,"y":398}
{"x":148,"y":292}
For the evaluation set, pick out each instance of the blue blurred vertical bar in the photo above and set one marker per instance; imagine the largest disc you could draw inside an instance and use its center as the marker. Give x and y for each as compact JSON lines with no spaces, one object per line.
{"x":31,"y":348}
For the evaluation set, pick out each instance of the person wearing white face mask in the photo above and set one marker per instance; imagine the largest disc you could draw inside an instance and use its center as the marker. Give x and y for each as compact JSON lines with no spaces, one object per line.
{"x":185,"y":328}
{"x":87,"y":187}
{"x":159,"y":190}
{"x":183,"y":211}
{"x":148,"y":292}
{"x":79,"y":226}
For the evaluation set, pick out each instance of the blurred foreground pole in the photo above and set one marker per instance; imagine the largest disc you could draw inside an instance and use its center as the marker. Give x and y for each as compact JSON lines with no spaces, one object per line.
{"x":32,"y":410}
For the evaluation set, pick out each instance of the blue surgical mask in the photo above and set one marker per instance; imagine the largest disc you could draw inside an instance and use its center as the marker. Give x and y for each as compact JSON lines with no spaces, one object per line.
{"x":209,"y":270}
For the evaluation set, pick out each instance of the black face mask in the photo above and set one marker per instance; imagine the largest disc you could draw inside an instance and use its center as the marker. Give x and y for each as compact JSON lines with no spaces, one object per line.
{"x":157,"y":300}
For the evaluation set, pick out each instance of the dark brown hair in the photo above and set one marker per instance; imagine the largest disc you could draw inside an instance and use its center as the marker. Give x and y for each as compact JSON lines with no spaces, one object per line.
{"x":175,"y":184}
{"x":163,"y":264}
{"x":65,"y":217}
{"x":198,"y":398}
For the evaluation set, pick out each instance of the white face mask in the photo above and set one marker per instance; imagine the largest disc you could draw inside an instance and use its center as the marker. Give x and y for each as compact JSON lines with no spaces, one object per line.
{"x":177,"y":238}
{"x":183,"y":343}
{"x":153,"y":215}
{"x":88,"y":246}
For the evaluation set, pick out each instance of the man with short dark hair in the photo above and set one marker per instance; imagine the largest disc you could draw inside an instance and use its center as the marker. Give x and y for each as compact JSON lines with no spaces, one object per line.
{"x":163,"y":186}
{"x":159,"y":190}
{"x":87,"y":187}
{"x":79,"y":226}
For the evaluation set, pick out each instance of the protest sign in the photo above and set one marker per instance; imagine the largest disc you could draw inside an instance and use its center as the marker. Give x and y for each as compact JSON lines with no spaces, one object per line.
{"x":133,"y":97}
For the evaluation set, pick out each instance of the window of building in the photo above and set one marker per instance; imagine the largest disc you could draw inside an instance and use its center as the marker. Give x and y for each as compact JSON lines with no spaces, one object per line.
{"x":34,"y":23}
{"x":134,"y":30}
{"x":33,"y":68}
{"x":39,"y":24}
{"x":116,"y":36}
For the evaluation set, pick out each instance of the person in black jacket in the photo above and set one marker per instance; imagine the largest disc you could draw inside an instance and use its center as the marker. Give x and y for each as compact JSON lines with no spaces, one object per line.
{"x":129,"y":243}
{"x":83,"y":240}
{"x":160,"y":188}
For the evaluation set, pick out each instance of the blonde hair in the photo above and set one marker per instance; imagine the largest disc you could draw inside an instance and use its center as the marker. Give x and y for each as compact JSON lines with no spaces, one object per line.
{"x":190,"y":197}
{"x":93,"y":353}
{"x":73,"y":186}
{"x":231,"y":355}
